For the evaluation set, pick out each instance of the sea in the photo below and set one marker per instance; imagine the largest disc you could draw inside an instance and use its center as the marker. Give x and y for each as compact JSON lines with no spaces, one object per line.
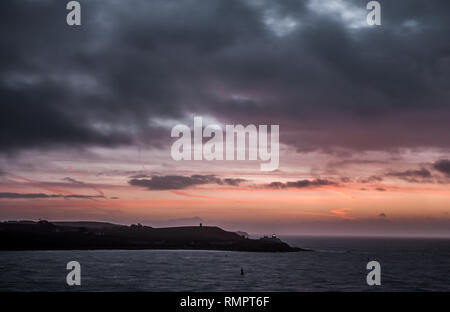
{"x":334,"y":264}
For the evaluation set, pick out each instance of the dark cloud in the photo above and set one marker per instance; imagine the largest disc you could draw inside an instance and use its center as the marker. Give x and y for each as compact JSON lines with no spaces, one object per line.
{"x":327,"y":84}
{"x":371,"y":179}
{"x":413,"y":176}
{"x":176,"y":182}
{"x":443,"y":166}
{"x":139,"y":176}
{"x":74,"y":181}
{"x":233,"y":182}
{"x":7,"y":195}
{"x":382,"y":215}
{"x":301,"y":184}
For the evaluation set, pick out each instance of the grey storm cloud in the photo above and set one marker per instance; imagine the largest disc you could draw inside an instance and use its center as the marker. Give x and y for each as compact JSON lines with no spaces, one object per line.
{"x":301,"y":184}
{"x":7,"y":195}
{"x":176,"y":182}
{"x":294,"y":63}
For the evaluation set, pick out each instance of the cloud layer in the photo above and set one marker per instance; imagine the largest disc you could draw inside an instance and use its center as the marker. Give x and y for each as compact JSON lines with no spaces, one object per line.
{"x":7,"y":195}
{"x":176,"y":182}
{"x":327,"y":79}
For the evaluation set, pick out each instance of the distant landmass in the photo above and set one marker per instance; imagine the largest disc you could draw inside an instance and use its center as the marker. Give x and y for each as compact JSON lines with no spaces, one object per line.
{"x":86,"y":235}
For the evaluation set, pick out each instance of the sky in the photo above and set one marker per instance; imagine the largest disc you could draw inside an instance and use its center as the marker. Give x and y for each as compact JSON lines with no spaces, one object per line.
{"x":86,"y":113}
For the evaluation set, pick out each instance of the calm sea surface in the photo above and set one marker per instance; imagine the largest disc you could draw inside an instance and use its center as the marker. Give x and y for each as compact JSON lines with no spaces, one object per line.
{"x":337,"y":264}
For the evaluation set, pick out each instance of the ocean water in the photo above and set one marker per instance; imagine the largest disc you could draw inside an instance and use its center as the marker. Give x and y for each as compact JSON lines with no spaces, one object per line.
{"x":336,"y":264}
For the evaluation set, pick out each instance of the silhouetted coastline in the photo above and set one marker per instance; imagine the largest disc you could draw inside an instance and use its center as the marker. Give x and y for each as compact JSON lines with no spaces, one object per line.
{"x":44,"y":235}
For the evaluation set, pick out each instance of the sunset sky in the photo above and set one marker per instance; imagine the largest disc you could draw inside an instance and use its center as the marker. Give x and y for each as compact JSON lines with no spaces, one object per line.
{"x":86,"y":113}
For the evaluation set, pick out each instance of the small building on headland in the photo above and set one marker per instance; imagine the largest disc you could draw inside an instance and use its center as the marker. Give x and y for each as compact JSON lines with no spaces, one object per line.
{"x":243,"y":234}
{"x":272,"y":239}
